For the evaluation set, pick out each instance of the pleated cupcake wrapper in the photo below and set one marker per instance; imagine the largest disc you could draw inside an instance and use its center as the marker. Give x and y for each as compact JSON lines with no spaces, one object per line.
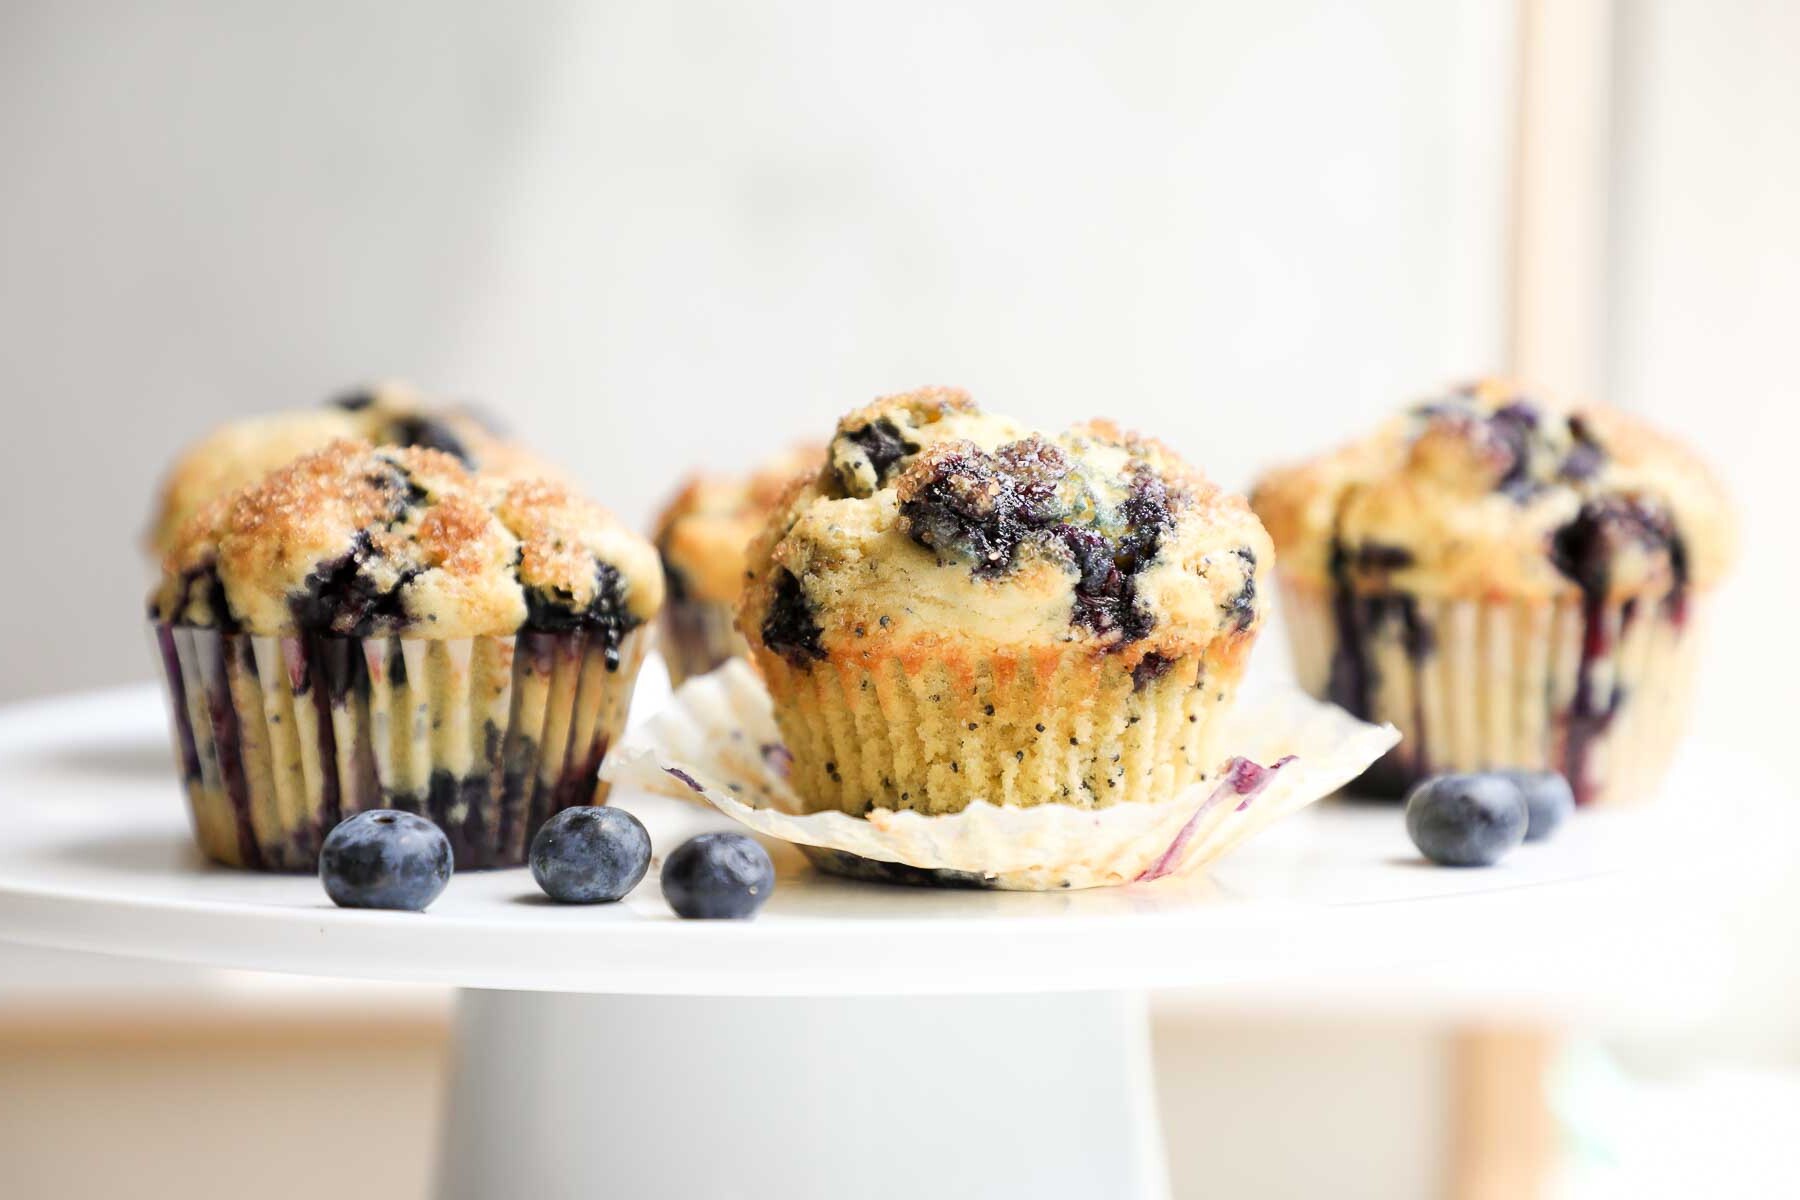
{"x":718,"y":741}
{"x":1598,"y":693}
{"x":280,"y":738}
{"x":696,"y":637}
{"x":1056,"y":723}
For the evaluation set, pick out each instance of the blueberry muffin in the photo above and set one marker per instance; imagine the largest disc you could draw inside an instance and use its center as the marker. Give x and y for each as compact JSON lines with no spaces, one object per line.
{"x":388,"y":415}
{"x":956,"y":608}
{"x":379,"y":628}
{"x":701,"y":536}
{"x":1512,"y":581}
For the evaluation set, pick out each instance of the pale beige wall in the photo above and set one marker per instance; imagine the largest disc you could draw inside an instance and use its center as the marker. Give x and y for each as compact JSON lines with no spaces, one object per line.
{"x":197,"y":1103}
{"x":163,"y":1109}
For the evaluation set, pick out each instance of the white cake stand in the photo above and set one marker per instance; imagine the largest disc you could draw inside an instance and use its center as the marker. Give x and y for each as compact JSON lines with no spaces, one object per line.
{"x":855,"y":1039}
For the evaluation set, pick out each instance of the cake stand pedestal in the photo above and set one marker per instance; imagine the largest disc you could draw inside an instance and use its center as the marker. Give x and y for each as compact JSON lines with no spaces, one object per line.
{"x":562,"y":1095}
{"x":860,"y":1039}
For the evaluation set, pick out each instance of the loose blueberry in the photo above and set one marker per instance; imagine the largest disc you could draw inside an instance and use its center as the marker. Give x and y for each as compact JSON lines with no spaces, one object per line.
{"x":1549,"y":801}
{"x":384,"y":858}
{"x":589,"y":855}
{"x":1466,"y":820}
{"x":718,"y":875}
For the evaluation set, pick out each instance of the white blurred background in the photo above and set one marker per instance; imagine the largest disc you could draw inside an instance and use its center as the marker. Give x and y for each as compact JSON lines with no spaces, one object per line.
{"x":659,"y":236}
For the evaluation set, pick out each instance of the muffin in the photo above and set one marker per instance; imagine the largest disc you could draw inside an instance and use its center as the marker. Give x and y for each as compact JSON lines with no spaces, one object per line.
{"x":955,"y":608}
{"x":1512,"y":581}
{"x":388,"y":415}
{"x":379,"y":628}
{"x":701,"y":536}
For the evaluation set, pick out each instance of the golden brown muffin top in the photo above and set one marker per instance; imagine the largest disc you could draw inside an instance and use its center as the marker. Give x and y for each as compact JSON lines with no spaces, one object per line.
{"x":357,"y":540}
{"x":389,"y":414}
{"x":1487,"y":491}
{"x":933,"y":521}
{"x":704,"y":531}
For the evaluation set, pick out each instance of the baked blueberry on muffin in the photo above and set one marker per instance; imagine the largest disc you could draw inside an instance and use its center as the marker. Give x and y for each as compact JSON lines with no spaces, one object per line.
{"x":701,"y":537}
{"x":1512,"y":581}
{"x":379,"y":628}
{"x":956,"y":608}
{"x":388,"y":415}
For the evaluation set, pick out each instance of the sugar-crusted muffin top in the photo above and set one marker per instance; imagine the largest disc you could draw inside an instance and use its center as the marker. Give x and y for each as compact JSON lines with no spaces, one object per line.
{"x":362,"y":540}
{"x":390,"y":414}
{"x":707,"y":526}
{"x":934,"y":521}
{"x":1488,"y":491}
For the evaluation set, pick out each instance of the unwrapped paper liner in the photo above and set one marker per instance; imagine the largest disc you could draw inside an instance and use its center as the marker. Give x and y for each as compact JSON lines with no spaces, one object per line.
{"x":718,"y":740}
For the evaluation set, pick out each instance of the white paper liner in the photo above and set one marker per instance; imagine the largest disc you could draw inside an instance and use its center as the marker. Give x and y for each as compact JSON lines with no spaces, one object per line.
{"x":279,"y":738}
{"x":718,"y":740}
{"x":1505,"y":682}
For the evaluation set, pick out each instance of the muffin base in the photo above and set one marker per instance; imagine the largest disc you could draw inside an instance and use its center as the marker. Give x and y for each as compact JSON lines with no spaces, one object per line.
{"x":1597,"y":691}
{"x":936,"y":731}
{"x":280,"y":738}
{"x":697,"y":637}
{"x":718,"y":743}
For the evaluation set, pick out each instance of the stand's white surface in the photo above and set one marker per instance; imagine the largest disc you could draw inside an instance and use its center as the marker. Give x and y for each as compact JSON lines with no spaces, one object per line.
{"x":856,"y":1039}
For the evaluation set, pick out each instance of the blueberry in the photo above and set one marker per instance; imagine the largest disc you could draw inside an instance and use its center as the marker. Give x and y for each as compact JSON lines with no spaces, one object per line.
{"x":1466,"y":820}
{"x":718,"y":875}
{"x":964,"y":502}
{"x":1549,"y":801}
{"x":430,"y":433}
{"x":589,"y":855}
{"x":884,"y":445}
{"x":607,"y":616}
{"x":339,"y":597}
{"x":791,"y":629}
{"x":1608,"y":529}
{"x":384,"y":858}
